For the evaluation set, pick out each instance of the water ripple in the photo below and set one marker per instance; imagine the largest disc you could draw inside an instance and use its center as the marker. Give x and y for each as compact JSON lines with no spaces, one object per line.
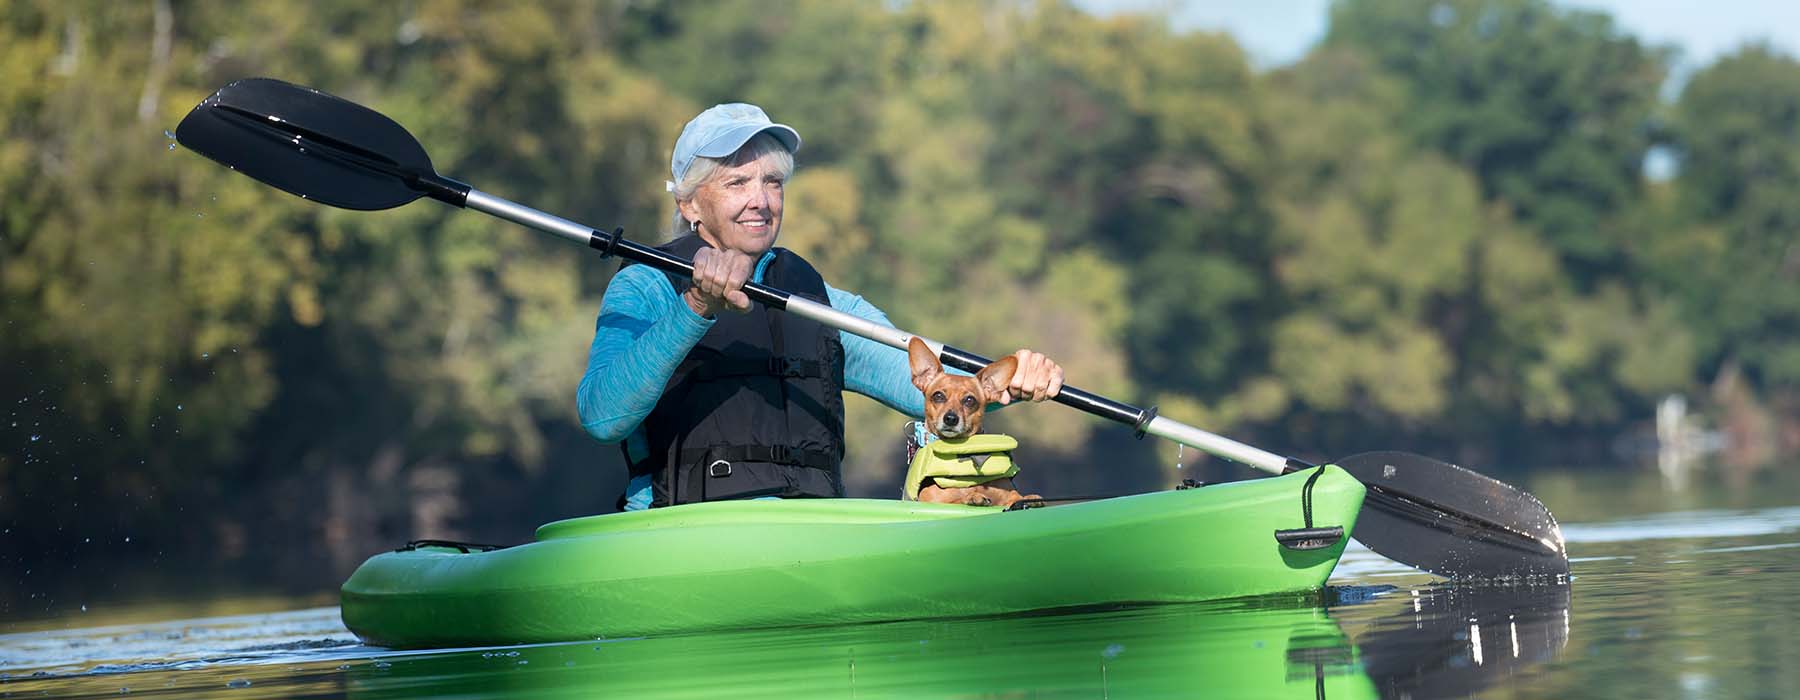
{"x":1687,"y":525}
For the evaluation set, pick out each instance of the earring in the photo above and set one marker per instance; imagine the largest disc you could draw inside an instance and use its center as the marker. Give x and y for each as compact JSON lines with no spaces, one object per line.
{"x":693,"y":227}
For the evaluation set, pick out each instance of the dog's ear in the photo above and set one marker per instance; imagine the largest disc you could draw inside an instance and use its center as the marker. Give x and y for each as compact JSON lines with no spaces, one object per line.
{"x":925,"y":365}
{"x":994,"y":377}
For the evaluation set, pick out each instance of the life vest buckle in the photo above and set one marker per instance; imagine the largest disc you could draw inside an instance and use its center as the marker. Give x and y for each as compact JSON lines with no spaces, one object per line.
{"x":718,"y":469}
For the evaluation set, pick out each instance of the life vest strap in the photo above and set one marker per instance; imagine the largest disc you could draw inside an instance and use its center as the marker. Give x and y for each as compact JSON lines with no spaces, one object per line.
{"x":771,"y":454}
{"x":723,"y":367}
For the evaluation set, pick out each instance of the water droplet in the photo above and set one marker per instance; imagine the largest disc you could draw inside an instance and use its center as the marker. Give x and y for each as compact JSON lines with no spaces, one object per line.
{"x":36,"y":438}
{"x":128,"y":539}
{"x":168,"y":133}
{"x":238,"y":683}
{"x":177,"y":407}
{"x":199,"y":215}
{"x":206,"y":356}
{"x":84,"y":608}
{"x":382,"y":664}
{"x":171,"y":147}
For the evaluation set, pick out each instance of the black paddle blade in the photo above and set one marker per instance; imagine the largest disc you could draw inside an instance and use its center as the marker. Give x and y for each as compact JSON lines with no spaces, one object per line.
{"x":309,"y":143}
{"x":1453,"y":522}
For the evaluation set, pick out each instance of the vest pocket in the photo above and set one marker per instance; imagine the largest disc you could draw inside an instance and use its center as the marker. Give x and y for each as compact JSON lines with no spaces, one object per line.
{"x":719,"y":480}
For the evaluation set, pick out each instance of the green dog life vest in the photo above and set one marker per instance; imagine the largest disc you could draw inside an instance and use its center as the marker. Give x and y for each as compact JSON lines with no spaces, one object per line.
{"x":962,"y":462}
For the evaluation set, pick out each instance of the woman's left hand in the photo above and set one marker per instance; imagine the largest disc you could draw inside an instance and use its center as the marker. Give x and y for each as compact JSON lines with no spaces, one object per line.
{"x":1038,"y":378}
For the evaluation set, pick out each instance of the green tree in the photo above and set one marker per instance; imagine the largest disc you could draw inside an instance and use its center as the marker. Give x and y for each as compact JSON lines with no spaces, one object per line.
{"x":1414,"y":306}
{"x":135,"y":285}
{"x":1734,"y":263}
{"x":1551,"y":108}
{"x":1432,"y":231}
{"x":202,"y":339}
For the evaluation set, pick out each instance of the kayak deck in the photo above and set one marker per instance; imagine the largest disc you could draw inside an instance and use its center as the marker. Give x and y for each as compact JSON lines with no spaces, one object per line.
{"x":745,"y":564}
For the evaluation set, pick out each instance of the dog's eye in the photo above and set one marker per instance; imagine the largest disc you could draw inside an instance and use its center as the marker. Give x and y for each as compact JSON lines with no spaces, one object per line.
{"x":938,"y":397}
{"x":969,"y":402}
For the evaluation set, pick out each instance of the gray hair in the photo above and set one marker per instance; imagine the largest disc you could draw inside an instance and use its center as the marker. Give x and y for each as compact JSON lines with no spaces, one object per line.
{"x":704,"y":169}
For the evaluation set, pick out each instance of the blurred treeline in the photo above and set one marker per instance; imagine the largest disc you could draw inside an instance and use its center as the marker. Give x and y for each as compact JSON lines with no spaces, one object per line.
{"x":1435,"y":233}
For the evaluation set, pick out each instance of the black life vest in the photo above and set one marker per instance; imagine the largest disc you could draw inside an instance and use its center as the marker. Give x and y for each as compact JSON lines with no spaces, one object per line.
{"x":756,"y":408}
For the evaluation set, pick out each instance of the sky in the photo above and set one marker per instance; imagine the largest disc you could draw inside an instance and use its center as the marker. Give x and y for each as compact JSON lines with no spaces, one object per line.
{"x":1279,"y":32}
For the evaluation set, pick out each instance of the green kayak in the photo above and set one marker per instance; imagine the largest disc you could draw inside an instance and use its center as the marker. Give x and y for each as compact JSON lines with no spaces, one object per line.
{"x":750,"y":564}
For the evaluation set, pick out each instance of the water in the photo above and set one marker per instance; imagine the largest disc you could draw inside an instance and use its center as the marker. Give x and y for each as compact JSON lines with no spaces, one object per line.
{"x":1666,"y":602}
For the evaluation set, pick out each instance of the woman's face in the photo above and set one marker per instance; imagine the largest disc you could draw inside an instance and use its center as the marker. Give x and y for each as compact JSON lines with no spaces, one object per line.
{"x":739,"y":207}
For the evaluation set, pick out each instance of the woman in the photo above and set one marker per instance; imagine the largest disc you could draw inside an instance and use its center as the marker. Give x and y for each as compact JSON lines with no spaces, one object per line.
{"x":714,"y":406}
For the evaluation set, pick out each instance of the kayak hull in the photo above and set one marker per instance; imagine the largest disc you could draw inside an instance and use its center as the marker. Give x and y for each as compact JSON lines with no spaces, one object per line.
{"x":748,"y":564}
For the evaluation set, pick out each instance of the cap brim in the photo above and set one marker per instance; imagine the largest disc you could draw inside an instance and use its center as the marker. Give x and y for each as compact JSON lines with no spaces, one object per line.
{"x":729,"y":142}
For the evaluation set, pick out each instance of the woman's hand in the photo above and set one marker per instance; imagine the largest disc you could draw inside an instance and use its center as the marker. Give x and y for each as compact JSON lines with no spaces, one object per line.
{"x":719,"y":277}
{"x":1038,"y":378}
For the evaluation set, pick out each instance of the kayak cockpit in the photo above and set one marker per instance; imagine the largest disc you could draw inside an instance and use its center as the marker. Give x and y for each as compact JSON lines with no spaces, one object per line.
{"x":819,"y":511}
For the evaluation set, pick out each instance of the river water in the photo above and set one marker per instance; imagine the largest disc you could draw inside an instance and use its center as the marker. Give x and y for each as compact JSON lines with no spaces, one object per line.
{"x":1688,"y":593}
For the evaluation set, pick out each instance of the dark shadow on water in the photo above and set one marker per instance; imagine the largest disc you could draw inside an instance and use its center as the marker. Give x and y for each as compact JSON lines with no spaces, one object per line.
{"x":1362,"y":641}
{"x":1453,"y":640}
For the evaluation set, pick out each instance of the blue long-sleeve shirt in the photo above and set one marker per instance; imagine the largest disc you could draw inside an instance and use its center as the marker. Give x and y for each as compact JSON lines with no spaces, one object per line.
{"x":645,"y":329}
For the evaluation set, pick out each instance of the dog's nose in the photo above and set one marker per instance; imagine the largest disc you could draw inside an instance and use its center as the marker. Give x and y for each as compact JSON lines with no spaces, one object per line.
{"x":951,"y":419}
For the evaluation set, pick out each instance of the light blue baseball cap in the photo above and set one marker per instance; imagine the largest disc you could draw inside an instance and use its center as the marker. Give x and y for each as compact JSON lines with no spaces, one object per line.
{"x":721,"y":130}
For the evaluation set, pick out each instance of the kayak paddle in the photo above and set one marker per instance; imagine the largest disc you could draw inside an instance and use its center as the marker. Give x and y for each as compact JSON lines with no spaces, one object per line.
{"x":1421,"y":512}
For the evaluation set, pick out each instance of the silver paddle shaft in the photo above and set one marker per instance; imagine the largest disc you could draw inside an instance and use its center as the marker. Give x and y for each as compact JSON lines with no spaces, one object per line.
{"x":1159,"y":426}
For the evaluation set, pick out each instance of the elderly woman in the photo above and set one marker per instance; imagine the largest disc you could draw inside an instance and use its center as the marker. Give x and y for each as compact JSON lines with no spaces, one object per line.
{"x":713,"y":398}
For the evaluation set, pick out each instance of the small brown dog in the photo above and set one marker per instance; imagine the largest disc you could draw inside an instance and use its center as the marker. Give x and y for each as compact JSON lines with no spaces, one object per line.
{"x":954,"y":405}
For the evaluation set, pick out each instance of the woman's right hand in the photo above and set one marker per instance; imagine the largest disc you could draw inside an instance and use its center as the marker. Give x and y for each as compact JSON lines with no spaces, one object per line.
{"x":719,"y":277}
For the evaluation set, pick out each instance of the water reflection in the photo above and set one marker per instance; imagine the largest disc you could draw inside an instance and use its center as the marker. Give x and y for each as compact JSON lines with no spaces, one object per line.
{"x":1433,"y":641}
{"x":1187,"y":651}
{"x":1455,"y":640}
{"x":1368,"y":641}
{"x":1438,"y":641}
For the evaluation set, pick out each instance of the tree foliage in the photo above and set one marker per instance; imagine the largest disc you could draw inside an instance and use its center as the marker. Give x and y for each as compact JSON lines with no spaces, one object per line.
{"x":1434,"y":231}
{"x":1735,"y":263}
{"x":1551,"y":108}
